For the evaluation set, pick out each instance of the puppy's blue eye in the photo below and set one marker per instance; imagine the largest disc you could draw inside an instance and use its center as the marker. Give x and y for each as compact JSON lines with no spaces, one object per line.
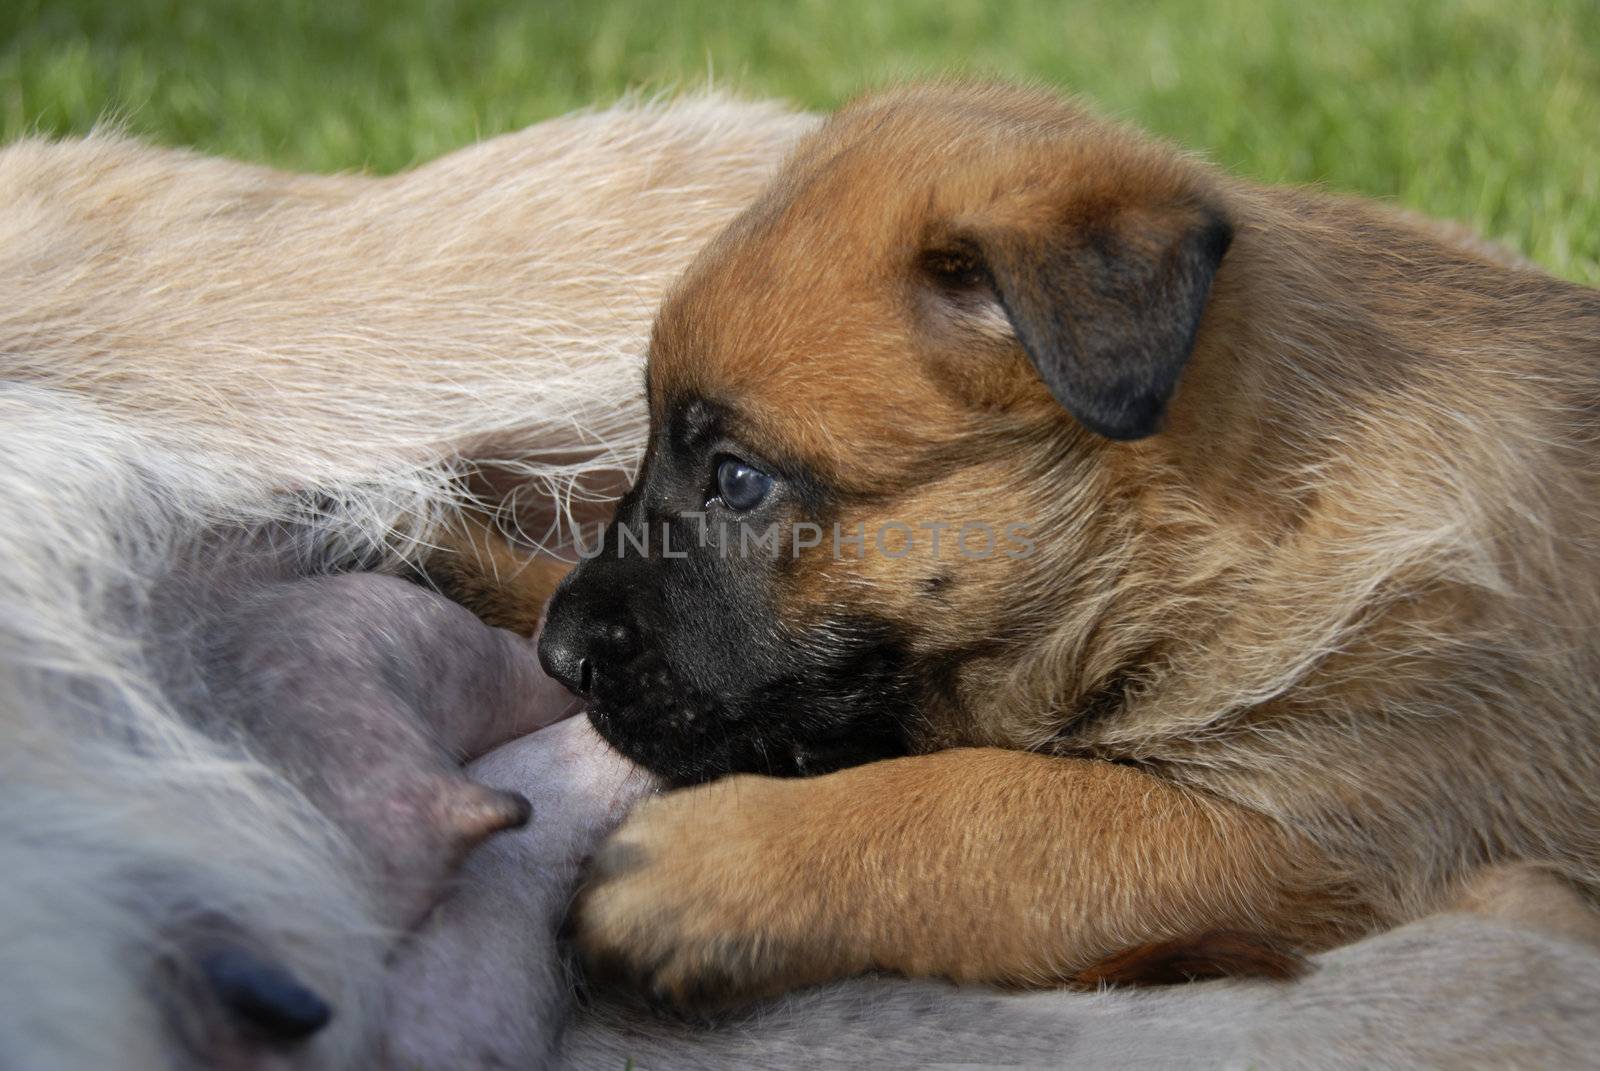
{"x":740,"y":486}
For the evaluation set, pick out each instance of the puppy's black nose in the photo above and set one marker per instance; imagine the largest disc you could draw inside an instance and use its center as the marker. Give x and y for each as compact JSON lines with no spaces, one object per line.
{"x":588,"y":630}
{"x":564,"y":654}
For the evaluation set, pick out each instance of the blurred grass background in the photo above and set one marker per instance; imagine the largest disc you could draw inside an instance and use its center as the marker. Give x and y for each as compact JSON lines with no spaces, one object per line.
{"x":1482,"y":110}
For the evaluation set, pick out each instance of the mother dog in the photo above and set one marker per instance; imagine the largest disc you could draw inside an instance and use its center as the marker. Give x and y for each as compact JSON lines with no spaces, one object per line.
{"x":1303,"y":632}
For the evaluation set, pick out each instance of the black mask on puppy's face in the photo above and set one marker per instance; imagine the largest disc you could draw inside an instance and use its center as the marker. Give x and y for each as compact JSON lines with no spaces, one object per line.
{"x":672,"y":632}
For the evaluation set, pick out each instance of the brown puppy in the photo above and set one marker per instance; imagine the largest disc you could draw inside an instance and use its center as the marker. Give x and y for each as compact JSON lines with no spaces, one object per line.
{"x":1290,"y":622}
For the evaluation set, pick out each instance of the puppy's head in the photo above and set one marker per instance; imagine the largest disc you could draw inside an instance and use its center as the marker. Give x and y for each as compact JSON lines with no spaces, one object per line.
{"x":878,"y":497}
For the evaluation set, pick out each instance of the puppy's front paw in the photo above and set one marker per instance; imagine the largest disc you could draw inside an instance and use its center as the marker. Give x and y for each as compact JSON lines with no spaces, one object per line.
{"x":714,"y":896}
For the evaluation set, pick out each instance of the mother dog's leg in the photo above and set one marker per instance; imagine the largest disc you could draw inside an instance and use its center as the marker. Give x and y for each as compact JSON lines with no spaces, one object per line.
{"x":972,"y":864}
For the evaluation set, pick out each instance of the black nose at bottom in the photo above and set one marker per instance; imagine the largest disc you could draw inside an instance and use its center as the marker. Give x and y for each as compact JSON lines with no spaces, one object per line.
{"x":566,"y":658}
{"x":263,"y":995}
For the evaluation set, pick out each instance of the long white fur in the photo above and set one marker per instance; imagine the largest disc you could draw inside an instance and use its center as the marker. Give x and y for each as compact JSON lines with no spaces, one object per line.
{"x":111,"y":837}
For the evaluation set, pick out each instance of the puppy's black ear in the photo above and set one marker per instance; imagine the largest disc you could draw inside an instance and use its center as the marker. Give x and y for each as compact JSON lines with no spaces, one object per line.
{"x":1107,"y":305}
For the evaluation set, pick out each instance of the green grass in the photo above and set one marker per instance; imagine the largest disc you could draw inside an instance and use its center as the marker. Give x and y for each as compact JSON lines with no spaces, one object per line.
{"x":1483,"y":110}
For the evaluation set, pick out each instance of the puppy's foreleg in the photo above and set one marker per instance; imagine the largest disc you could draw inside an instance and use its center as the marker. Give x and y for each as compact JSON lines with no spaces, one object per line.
{"x":474,"y":564}
{"x":976,"y":865}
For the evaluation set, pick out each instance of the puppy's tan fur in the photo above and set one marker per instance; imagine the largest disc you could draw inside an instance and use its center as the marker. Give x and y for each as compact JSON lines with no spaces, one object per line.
{"x":1297,"y":663}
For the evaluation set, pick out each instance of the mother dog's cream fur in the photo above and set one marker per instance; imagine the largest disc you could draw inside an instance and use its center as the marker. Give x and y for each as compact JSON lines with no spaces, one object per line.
{"x":330,"y":330}
{"x":190,"y":344}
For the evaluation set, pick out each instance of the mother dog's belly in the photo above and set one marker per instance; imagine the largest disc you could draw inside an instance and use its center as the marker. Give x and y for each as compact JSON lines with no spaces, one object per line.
{"x":481,"y":984}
